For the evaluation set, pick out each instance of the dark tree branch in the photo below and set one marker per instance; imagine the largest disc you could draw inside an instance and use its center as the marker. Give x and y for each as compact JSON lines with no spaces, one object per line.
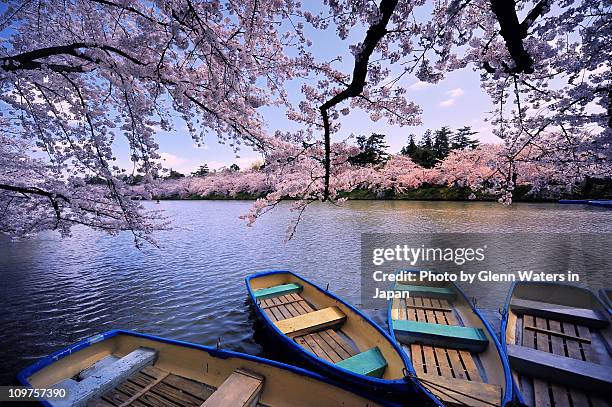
{"x":512,"y":32}
{"x":360,"y":71}
{"x":30,"y":60}
{"x":533,"y":15}
{"x":53,"y":197}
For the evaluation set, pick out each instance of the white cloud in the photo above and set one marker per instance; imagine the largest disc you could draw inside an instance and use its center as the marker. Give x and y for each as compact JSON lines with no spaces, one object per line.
{"x":447,"y":103}
{"x":455,"y":93}
{"x":420,"y":85}
{"x":171,"y":160}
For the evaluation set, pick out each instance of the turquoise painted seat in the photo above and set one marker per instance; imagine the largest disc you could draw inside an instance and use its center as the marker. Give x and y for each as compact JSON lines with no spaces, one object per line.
{"x":368,"y":363}
{"x":426,"y":291}
{"x":448,"y":336}
{"x":283,"y":289}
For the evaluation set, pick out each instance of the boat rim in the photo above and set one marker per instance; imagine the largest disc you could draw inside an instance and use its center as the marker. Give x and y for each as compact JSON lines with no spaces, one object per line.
{"x":296,"y":347}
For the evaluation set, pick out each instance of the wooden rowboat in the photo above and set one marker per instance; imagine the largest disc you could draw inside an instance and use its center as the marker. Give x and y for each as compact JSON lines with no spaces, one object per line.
{"x":330,"y":335}
{"x":121,"y":368}
{"x":605,"y":294}
{"x":558,"y":341}
{"x":453,"y":350}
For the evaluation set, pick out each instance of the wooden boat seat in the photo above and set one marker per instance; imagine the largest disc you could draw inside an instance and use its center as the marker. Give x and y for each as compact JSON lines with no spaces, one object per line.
{"x":106,"y":378}
{"x":277,"y":290}
{"x":455,"y":392}
{"x":426,"y":291}
{"x":240,"y":389}
{"x":311,"y":322}
{"x":582,"y":316}
{"x":569,"y":371}
{"x":453,"y":336}
{"x":368,"y":363}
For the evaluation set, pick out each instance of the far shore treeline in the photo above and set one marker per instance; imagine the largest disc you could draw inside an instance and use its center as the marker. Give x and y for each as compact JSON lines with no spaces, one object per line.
{"x":440,"y":165}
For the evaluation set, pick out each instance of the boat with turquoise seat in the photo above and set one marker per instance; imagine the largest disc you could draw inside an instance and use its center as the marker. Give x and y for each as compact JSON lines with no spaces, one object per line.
{"x":331,"y":336}
{"x":558,"y":339}
{"x":453,"y":352}
{"x":124,"y":368}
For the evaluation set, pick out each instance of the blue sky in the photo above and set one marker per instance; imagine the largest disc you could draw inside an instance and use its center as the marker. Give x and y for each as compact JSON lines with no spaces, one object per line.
{"x":456,"y":101}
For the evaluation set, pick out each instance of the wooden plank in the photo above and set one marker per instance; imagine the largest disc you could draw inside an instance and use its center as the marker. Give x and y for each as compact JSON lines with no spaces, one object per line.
{"x":557,"y":334}
{"x":542,"y":339}
{"x":460,"y":337}
{"x":443,"y":362}
{"x":429,"y":360}
{"x":155,"y":400}
{"x":145,"y":389}
{"x":109,"y":377}
{"x":154,"y":372}
{"x":431,"y":307}
{"x":458,"y":369}
{"x":303,"y":303}
{"x":583,"y":316}
{"x":318,"y":350}
{"x":573,"y":348}
{"x":560,"y":393}
{"x":240,"y":389}
{"x":281,"y":308}
{"x":541,"y":393}
{"x":454,"y":392}
{"x":285,"y":302}
{"x":331,"y":352}
{"x":586,"y":376}
{"x":311,"y":322}
{"x":411,"y":310}
{"x":579,"y":399}
{"x":368,"y":363}
{"x":115,"y":397}
{"x":528,"y":336}
{"x":416,"y":353}
{"x":100,"y":403}
{"x":270,"y":292}
{"x":341,"y":342}
{"x":586,"y":345}
{"x":470,"y":366}
{"x":196,"y":389}
{"x":401,"y":311}
{"x":176,"y":395}
{"x":300,"y":340}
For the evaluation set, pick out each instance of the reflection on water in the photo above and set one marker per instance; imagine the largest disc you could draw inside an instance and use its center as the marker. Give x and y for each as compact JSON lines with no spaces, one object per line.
{"x":54,"y":292}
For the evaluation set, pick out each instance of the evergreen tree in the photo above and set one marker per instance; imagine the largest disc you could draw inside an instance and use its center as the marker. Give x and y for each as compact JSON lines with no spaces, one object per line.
{"x":462,"y":139}
{"x":426,"y":141}
{"x":411,"y":149}
{"x":372,"y":150}
{"x":234,"y":168}
{"x":175,"y":174}
{"x":202,"y":171}
{"x":441,"y":146}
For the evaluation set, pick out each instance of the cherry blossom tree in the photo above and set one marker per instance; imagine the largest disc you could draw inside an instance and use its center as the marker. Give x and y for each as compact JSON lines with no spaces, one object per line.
{"x":76,"y":75}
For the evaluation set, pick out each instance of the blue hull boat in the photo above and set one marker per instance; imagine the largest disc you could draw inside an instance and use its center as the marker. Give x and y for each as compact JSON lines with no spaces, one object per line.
{"x":331,"y":336}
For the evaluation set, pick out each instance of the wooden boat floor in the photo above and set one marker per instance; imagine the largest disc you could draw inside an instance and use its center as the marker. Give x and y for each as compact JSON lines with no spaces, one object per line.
{"x":453,"y":375}
{"x":327,"y":344}
{"x":153,"y":387}
{"x":436,"y":360}
{"x":564,"y":339}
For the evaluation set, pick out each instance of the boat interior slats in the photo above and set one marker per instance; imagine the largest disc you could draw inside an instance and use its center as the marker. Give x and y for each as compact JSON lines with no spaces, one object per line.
{"x":445,"y":361}
{"x":152,"y":387}
{"x":326,"y":343}
{"x":582,"y":316}
{"x":562,"y":338}
{"x":426,"y":291}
